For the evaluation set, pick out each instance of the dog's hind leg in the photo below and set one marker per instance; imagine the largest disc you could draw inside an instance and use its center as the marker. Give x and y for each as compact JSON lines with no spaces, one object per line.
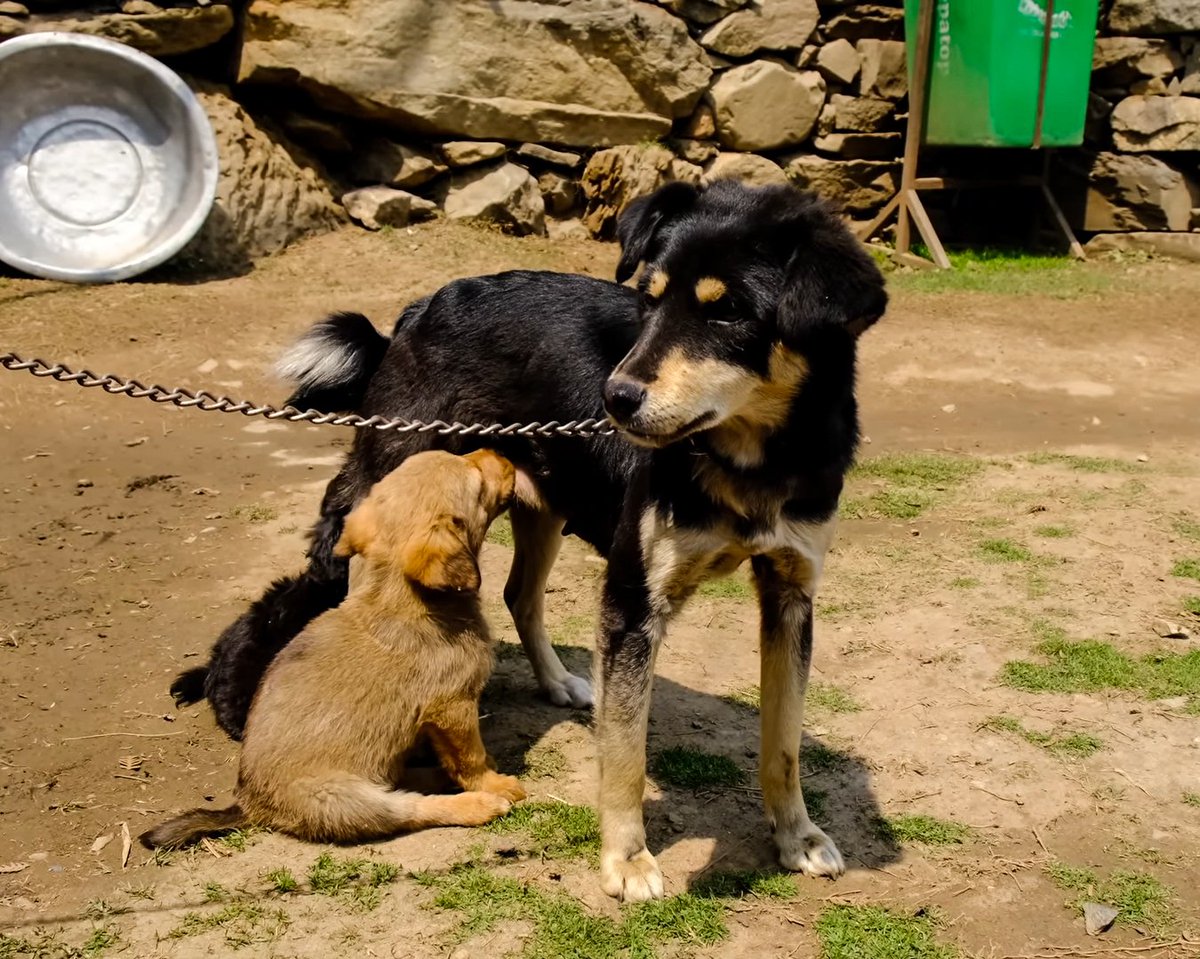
{"x":348,"y":808}
{"x":537,"y":539}
{"x":786,"y":582}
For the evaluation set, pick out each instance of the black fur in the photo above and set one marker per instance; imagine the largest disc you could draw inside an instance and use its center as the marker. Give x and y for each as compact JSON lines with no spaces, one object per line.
{"x":526,"y":346}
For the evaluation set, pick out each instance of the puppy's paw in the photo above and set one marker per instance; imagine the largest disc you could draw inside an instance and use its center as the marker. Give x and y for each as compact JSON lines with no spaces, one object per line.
{"x":507,"y":786}
{"x":806,"y":849}
{"x":636,"y":879}
{"x":479,"y":808}
{"x":573,"y":691}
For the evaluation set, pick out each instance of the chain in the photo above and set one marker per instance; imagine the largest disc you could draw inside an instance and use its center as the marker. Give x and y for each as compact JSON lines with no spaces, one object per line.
{"x":186,"y":399}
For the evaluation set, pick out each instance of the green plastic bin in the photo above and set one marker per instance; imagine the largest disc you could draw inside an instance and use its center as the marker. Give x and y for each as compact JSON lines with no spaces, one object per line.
{"x":985,"y":71}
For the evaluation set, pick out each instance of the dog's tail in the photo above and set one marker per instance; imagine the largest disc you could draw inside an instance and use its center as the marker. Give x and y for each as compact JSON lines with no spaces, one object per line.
{"x":333,"y":362}
{"x":186,"y":829}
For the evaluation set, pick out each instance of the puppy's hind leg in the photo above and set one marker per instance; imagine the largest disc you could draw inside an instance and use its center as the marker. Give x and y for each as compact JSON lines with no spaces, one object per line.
{"x":537,"y":538}
{"x":348,"y":808}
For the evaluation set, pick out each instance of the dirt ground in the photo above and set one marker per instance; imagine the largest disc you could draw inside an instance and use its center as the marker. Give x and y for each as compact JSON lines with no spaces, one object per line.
{"x":133,"y":534}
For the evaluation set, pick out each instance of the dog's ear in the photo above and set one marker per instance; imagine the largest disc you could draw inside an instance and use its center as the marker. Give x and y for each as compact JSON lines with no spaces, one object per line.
{"x":499,"y":478}
{"x":831,"y":280}
{"x":639,"y":224}
{"x":442,"y":558}
{"x":358,"y":530}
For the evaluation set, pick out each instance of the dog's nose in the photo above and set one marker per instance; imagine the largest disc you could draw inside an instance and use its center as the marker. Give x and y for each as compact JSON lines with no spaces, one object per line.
{"x":623,"y":398}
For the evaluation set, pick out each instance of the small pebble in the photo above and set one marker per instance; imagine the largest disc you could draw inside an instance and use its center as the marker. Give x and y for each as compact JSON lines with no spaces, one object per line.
{"x":84,"y":484}
{"x":10,"y":8}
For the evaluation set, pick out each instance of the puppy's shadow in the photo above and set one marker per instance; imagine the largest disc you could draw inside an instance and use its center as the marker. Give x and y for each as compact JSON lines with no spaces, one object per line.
{"x":837,"y":782}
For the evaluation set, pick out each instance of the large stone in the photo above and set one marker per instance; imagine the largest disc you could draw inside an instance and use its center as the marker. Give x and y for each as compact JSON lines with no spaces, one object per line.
{"x":884,"y":70}
{"x":166,"y":33}
{"x":703,"y":11}
{"x":701,"y":125}
{"x":764,"y":105}
{"x":378,"y":206}
{"x":575,"y":72}
{"x":615,"y":177}
{"x":1119,"y":61}
{"x":694,"y":151}
{"x":1177,"y":246}
{"x":749,"y":168}
{"x":464,"y":153}
{"x":394,"y":164}
{"x":1191,"y":70}
{"x":857,"y":185}
{"x":1142,"y":123}
{"x":505,"y":195}
{"x":1132,"y":192}
{"x":1152,"y":17}
{"x":544,"y":154}
{"x":861,"y":114}
{"x":860,"y":146}
{"x":838,"y":61}
{"x":768,"y":25}
{"x":267,"y":196}
{"x":866,"y":21}
{"x":560,"y":193}
{"x":317,"y":134}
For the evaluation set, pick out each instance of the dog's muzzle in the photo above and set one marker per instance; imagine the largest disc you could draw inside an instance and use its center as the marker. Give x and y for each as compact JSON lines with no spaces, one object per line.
{"x":623,"y":397}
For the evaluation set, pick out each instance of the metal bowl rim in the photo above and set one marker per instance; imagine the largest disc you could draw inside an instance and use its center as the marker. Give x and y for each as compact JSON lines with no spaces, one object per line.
{"x":208,"y":161}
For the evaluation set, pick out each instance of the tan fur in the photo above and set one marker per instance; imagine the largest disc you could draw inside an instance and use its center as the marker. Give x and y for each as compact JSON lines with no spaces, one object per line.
{"x":657,"y":285}
{"x":740,"y":438}
{"x":403,"y":659}
{"x":709,"y":289}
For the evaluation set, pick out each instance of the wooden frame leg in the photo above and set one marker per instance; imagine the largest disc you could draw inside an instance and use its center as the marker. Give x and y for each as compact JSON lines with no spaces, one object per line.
{"x":1063,"y":225}
{"x":917,"y":210}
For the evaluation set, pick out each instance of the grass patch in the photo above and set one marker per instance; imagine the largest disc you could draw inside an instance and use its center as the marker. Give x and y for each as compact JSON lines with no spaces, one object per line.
{"x":239,"y":839}
{"x":282,"y":880}
{"x":819,"y":758}
{"x":964,"y":582}
{"x":1192,"y":605}
{"x":1076,"y":745}
{"x":357,"y":880}
{"x":543,"y":762}
{"x":832,"y":699}
{"x":870,"y":932}
{"x":255,"y":513}
{"x":1186,"y":525}
{"x":738,"y":884}
{"x":1054,"y":532}
{"x":559,"y":830}
{"x":1084,"y":464}
{"x":923,"y":829}
{"x":500,"y":532}
{"x":243,"y":924}
{"x":1186,"y":568}
{"x":727,"y":587}
{"x":1004,"y":551}
{"x":561,"y":926}
{"x":49,"y":945}
{"x":913,"y":480}
{"x":1091,"y":666}
{"x":748,"y":697}
{"x":1191,"y":799}
{"x":1140,"y":898}
{"x":687,"y":768}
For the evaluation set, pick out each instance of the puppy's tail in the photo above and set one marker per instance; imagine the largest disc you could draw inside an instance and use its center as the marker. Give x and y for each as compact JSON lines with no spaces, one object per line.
{"x":186,"y":829}
{"x":333,"y":362}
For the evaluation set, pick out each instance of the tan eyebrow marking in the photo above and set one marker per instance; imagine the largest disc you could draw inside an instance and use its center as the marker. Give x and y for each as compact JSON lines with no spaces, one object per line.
{"x":658,"y":284}
{"x":709,"y":289}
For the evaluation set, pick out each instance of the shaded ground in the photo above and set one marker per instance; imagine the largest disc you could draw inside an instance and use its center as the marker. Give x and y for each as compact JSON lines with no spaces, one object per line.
{"x":1030,"y":483}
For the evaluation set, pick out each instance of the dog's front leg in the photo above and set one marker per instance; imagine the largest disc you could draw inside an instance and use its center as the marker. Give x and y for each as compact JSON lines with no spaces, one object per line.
{"x":625,"y":653}
{"x":786,"y":582}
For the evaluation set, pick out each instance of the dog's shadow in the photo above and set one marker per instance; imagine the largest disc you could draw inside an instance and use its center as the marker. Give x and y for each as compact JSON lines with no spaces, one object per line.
{"x":837,"y":782}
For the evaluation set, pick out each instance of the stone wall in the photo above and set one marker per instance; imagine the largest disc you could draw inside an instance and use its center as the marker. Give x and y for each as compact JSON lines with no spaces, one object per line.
{"x":550,"y":115}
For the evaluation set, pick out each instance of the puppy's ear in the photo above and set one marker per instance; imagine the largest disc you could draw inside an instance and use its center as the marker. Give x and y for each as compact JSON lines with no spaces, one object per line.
{"x":499,"y":477}
{"x":442,"y":559}
{"x":831,"y":280}
{"x":640,"y":223}
{"x":358,"y":530}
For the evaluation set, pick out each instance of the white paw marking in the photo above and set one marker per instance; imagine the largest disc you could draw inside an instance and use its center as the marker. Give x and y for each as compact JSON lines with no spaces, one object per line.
{"x":808,"y":850}
{"x":636,"y":879}
{"x":571,"y":690}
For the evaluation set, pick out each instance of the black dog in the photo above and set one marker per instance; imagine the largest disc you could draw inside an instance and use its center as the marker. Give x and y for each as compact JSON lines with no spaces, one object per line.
{"x":732,"y":367}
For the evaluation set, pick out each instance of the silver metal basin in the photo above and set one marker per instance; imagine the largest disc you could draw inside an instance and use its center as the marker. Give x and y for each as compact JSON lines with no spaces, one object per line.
{"x":108,"y":164}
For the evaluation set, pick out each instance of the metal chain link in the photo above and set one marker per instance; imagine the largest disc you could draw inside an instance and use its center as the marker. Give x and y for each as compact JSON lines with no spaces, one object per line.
{"x":186,"y":399}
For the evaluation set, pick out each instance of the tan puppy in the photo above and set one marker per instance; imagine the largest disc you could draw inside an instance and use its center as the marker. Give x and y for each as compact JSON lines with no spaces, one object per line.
{"x":403,"y":659}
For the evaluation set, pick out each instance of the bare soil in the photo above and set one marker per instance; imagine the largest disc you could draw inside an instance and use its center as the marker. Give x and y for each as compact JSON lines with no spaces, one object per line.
{"x":133,"y":534}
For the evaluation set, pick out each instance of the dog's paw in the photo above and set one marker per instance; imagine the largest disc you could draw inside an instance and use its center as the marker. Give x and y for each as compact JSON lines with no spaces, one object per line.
{"x":479,"y":808}
{"x":507,"y":786}
{"x":807,"y":849}
{"x":573,"y":691}
{"x":636,"y":879}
